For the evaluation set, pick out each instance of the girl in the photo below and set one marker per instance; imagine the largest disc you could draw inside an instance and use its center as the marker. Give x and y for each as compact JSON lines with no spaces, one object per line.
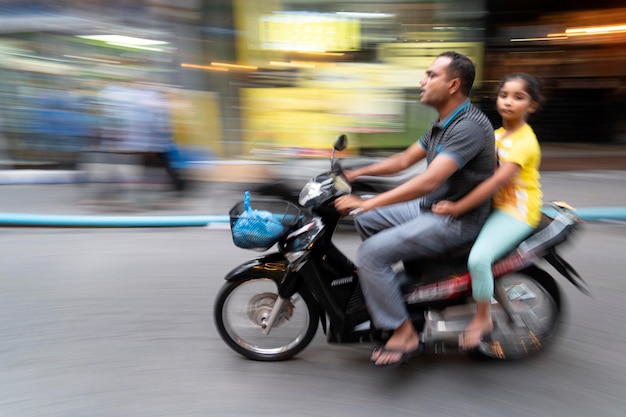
{"x":516,"y":192}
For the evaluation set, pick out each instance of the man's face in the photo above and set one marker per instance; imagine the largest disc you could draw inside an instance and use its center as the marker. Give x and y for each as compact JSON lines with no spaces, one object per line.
{"x":435,"y":83}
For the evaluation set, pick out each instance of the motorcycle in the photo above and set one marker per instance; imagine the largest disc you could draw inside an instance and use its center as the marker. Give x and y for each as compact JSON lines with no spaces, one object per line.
{"x":269,"y":308}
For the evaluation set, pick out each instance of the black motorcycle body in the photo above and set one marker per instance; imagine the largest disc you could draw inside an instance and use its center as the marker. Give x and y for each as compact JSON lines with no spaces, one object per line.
{"x":270,"y":308}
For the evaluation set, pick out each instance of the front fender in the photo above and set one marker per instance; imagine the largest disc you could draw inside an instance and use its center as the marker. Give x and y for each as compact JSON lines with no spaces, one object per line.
{"x":273,"y":266}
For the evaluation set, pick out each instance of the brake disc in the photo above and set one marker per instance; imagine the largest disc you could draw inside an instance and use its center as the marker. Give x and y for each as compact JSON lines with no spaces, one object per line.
{"x":260,"y":306}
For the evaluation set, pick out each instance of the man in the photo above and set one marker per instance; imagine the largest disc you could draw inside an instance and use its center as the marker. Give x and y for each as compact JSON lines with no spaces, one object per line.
{"x":399,"y":224}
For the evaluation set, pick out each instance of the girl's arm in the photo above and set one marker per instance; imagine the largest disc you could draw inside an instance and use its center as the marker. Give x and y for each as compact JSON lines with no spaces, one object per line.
{"x":480,"y":193}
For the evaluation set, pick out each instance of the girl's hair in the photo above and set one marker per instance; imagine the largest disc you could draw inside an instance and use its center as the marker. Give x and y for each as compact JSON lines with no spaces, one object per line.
{"x":533,"y":86}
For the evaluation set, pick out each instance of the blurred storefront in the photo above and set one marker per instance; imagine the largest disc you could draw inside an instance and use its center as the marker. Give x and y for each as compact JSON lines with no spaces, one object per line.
{"x":325,"y":68}
{"x":316,"y":68}
{"x":57,"y":58}
{"x":577,"y":49}
{"x":256,"y":79}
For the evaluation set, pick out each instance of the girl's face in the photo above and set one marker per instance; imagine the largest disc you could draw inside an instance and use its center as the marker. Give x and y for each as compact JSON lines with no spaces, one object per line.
{"x":514,"y":104}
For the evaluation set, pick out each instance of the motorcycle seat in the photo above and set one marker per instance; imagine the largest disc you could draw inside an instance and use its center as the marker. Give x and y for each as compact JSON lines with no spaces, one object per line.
{"x":441,"y":265}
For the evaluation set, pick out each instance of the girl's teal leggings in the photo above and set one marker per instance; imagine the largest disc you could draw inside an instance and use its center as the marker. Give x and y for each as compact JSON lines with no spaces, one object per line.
{"x":500,"y":234}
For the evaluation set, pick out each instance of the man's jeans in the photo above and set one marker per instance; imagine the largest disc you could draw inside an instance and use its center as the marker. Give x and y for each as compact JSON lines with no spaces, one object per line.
{"x":391,"y":234}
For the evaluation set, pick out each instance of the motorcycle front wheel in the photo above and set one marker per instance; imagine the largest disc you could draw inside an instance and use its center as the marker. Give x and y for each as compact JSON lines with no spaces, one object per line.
{"x":533,"y":300}
{"x":242,"y":309}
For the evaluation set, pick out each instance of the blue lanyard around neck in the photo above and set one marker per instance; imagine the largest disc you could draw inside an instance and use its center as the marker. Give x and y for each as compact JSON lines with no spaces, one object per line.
{"x":459,"y":110}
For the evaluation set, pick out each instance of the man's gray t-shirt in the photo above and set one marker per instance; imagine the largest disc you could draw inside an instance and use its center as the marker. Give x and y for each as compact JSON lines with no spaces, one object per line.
{"x":467,"y":137}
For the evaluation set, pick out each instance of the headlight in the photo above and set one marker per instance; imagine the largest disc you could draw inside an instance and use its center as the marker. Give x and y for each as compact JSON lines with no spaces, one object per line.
{"x":297,"y":244}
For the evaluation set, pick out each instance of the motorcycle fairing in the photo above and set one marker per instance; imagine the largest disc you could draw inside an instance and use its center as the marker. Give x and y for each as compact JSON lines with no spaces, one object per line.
{"x":273,"y":266}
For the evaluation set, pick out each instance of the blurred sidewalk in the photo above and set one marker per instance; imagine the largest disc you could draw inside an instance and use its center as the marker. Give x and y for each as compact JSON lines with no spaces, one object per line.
{"x":583,"y":175}
{"x":569,"y":157}
{"x":555,"y":157}
{"x":228,"y":171}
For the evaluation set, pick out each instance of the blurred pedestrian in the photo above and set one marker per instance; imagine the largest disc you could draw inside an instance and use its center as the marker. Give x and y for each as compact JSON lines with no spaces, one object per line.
{"x":167,"y":152}
{"x":136,"y":135}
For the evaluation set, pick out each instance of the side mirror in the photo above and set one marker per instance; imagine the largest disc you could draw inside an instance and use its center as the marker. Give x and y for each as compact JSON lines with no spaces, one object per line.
{"x":341,"y":143}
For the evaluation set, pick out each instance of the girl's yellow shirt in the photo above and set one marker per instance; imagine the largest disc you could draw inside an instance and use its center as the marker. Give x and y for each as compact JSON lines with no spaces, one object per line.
{"x":522,"y":196}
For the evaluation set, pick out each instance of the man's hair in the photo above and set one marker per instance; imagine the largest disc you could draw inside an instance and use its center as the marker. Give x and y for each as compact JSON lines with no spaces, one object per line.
{"x":461,"y":67}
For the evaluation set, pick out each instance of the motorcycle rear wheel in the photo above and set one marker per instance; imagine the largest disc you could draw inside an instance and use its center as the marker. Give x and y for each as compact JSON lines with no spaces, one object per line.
{"x":243,"y":307}
{"x":532,"y":299}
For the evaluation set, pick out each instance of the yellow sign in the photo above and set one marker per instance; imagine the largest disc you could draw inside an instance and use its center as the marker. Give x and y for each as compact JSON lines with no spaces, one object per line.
{"x":310,"y":32}
{"x":419,"y":55}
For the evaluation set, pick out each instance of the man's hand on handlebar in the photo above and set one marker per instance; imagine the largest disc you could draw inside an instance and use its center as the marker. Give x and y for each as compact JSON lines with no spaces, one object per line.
{"x":350,"y":204}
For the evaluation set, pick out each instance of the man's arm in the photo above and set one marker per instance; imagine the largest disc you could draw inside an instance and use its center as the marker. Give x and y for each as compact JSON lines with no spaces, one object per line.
{"x":438,"y":171}
{"x":390,"y":165}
